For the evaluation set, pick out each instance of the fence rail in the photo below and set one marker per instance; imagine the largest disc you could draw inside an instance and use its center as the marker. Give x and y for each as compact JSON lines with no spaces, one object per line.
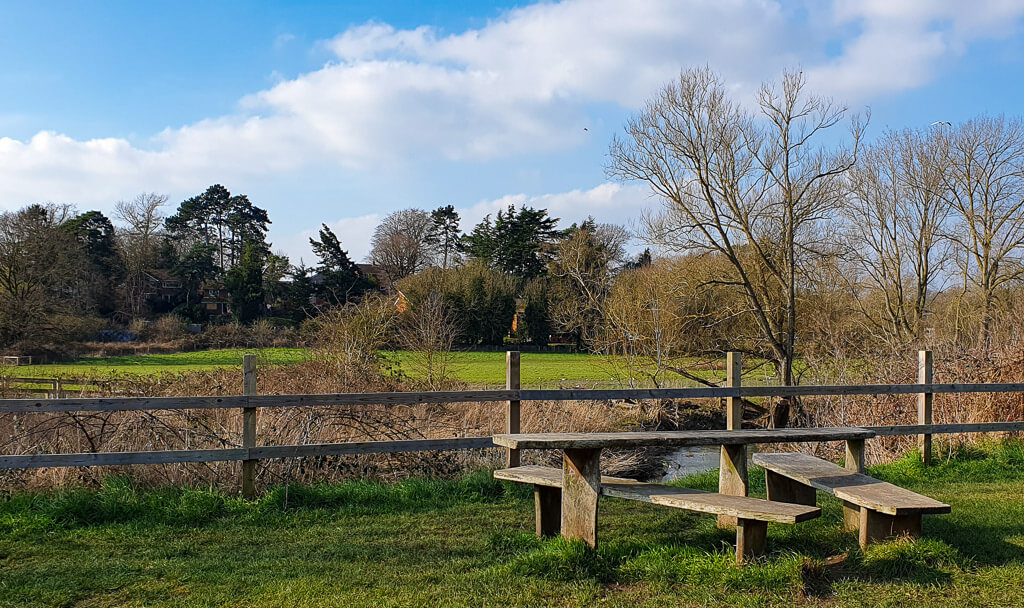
{"x":249,"y":453}
{"x":102,"y":404}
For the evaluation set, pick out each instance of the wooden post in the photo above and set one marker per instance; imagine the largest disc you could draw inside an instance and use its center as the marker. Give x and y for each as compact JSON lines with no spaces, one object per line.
{"x":855,"y":455}
{"x":581,"y":486}
{"x":249,"y":427}
{"x":512,"y":457}
{"x":732,"y":471}
{"x":924,"y":404}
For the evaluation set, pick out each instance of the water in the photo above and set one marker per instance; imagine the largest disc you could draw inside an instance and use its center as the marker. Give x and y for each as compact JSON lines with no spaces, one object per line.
{"x":694,"y":460}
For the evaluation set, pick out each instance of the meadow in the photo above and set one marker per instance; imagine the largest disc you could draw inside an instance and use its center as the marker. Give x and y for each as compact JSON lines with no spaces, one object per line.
{"x":468,"y":542}
{"x":538,"y":370}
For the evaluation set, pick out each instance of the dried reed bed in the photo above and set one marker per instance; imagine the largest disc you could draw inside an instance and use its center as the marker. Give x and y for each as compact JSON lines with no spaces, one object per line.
{"x":882,"y":410}
{"x":212,"y":429}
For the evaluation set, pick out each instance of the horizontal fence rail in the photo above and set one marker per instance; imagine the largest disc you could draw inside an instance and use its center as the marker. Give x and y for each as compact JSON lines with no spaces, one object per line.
{"x":100,"y":404}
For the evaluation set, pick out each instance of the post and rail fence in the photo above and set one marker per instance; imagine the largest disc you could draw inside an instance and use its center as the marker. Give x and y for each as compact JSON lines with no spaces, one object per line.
{"x":250,"y":402}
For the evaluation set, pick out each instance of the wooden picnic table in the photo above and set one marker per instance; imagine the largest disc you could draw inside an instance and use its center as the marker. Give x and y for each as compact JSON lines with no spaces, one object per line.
{"x":581,"y":461}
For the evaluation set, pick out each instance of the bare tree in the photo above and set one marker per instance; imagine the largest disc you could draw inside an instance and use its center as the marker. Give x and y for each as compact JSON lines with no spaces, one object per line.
{"x":428,"y":331}
{"x":138,"y":236}
{"x":584,"y":264}
{"x":402,"y":243}
{"x":755,"y":189}
{"x":984,"y":185}
{"x":40,"y":265}
{"x":896,"y":220}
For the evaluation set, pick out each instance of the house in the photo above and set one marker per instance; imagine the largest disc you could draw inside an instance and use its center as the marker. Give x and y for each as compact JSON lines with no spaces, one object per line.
{"x":215,"y":299}
{"x":161,"y":286}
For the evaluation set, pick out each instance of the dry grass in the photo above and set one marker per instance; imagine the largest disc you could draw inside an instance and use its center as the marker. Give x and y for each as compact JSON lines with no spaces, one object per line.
{"x":213,"y":429}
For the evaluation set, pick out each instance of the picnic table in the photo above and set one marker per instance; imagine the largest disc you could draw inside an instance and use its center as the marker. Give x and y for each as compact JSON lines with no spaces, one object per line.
{"x":581,"y":478}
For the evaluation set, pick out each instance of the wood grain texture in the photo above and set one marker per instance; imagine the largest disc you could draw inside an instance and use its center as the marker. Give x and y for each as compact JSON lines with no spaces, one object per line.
{"x":249,"y":427}
{"x":550,"y":441}
{"x":924,"y":404}
{"x":581,"y":487}
{"x":242,"y":401}
{"x":751,"y":539}
{"x":851,"y":487}
{"x":512,"y":412}
{"x":855,"y":455}
{"x":671,"y":496}
{"x":947,"y":429}
{"x":97,"y":459}
{"x":732,"y":478}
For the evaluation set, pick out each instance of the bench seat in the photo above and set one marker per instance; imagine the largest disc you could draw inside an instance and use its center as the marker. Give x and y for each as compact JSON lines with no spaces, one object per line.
{"x":752,"y":514}
{"x":877,"y":509}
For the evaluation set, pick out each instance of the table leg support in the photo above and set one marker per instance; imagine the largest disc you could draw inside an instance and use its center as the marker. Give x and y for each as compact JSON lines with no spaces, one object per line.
{"x":581,"y":486}
{"x":548,"y":504}
{"x":855,"y":455}
{"x":732,"y":477}
{"x":751,"y":539}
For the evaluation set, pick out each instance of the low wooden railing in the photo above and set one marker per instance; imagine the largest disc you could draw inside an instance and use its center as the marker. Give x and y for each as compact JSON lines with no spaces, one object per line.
{"x":250,"y":402}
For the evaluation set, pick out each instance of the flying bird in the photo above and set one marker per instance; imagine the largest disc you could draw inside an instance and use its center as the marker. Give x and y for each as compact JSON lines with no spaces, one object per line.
{"x":942,"y":122}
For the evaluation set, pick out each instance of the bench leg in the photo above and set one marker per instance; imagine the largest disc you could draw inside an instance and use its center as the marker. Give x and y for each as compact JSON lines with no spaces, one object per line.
{"x":784,"y":489}
{"x":581,"y":485}
{"x":875,"y":526}
{"x":732,"y":477}
{"x":751,"y":536}
{"x":548,"y":505}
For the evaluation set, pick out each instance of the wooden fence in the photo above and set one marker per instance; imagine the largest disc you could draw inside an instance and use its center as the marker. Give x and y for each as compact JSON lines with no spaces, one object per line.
{"x":250,"y":402}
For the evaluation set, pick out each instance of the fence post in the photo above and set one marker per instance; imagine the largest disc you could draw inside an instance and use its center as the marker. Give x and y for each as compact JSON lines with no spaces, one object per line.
{"x":732,"y":471}
{"x":512,"y":458}
{"x":249,"y":426}
{"x":924,"y":404}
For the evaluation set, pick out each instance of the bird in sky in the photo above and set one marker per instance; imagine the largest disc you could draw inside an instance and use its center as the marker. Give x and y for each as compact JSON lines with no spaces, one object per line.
{"x":942,"y":122}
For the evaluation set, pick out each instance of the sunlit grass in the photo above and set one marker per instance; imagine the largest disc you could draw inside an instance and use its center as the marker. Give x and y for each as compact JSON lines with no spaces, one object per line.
{"x":469,"y":542}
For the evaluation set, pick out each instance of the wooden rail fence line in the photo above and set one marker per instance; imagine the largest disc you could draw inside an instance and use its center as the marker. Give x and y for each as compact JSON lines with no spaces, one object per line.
{"x":249,"y":402}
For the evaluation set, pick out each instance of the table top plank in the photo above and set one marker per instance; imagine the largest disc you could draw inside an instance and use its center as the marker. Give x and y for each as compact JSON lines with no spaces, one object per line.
{"x":553,"y":441}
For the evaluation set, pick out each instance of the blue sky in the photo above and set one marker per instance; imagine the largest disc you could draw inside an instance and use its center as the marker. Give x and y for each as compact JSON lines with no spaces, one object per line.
{"x":341,"y":112}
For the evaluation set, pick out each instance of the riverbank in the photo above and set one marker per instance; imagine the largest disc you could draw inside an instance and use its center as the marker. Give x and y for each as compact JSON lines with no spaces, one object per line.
{"x":468,"y":543}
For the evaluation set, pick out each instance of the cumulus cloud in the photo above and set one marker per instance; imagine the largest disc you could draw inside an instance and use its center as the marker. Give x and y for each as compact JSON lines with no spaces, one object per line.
{"x":607,"y":203}
{"x":522,"y":84}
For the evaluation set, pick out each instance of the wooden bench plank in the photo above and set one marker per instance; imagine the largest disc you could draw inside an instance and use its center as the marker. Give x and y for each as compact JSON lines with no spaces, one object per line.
{"x":851,"y":487}
{"x":676,"y":438}
{"x":671,"y":496}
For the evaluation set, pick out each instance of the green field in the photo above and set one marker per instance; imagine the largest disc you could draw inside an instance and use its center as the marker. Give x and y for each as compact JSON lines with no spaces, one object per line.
{"x":469,"y":543}
{"x":476,"y":368}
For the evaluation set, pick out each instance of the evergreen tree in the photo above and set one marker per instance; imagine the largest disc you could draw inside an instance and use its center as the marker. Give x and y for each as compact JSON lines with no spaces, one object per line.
{"x":517,"y":242}
{"x":445,"y":234}
{"x":245,"y":283}
{"x":223,"y":221}
{"x":338,"y":279}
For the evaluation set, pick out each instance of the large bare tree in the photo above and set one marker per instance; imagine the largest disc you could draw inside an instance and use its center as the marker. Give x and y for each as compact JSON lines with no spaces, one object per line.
{"x":757,"y":188}
{"x":984,"y":185}
{"x":140,"y":230}
{"x":402,"y":243}
{"x":896,"y":221}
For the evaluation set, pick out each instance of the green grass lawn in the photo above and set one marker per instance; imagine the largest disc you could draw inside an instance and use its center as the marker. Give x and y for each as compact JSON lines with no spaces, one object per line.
{"x":469,"y":543}
{"x":545,"y":370}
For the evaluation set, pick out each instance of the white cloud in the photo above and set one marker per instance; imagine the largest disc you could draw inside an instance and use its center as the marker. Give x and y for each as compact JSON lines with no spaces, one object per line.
{"x":521,"y":84}
{"x":607,"y":203}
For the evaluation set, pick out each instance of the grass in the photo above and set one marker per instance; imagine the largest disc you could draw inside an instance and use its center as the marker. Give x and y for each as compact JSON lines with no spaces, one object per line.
{"x":469,"y":543}
{"x":474,"y":368}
